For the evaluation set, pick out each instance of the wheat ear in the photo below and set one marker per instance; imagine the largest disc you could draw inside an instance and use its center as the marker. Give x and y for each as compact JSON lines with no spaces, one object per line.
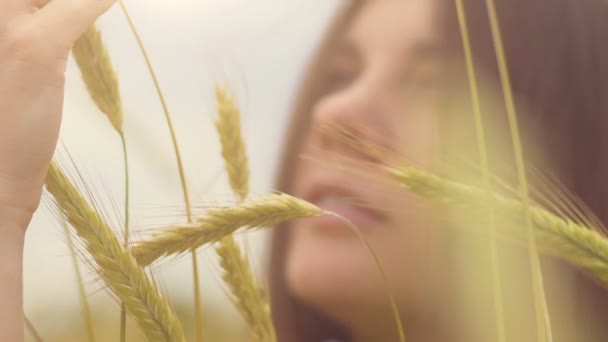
{"x":576,"y":243}
{"x":86,"y":308}
{"x":116,"y":265}
{"x":238,"y":275}
{"x":99,"y":76}
{"x":220,"y":222}
{"x":246,"y":295}
{"x":228,"y":126}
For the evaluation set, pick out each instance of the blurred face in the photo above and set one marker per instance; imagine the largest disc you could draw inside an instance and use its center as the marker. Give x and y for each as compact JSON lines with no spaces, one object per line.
{"x":383,"y":78}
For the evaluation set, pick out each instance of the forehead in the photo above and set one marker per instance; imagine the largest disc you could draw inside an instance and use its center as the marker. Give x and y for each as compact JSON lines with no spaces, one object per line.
{"x":396,"y":26}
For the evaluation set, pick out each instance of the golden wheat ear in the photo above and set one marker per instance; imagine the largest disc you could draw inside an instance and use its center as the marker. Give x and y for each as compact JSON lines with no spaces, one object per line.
{"x":115,"y":265}
{"x":99,"y":76}
{"x":550,"y":191}
{"x":355,"y":140}
{"x":362,"y":157}
{"x":238,"y":275}
{"x":368,"y":154}
{"x":217,"y":223}
{"x":234,"y":151}
{"x":86,"y":308}
{"x":101,"y":81}
{"x":578,"y":244}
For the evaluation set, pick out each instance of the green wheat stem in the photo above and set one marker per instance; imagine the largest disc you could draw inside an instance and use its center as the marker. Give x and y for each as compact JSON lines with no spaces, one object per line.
{"x":86,"y":309}
{"x":32,"y":330}
{"x":182,"y":175}
{"x":542,"y":313}
{"x":483,"y":155}
{"x":123,"y":310}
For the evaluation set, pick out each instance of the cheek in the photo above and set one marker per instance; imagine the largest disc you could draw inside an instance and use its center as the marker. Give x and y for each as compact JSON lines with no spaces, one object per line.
{"x":406,"y":250}
{"x":414,"y":128}
{"x":418,"y":138}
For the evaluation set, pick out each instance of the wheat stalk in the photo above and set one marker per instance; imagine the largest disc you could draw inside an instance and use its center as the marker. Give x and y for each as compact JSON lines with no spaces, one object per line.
{"x":101,"y":81}
{"x":99,"y":76}
{"x":238,"y":275}
{"x":574,"y":242}
{"x":485,"y":168}
{"x":543,"y":320}
{"x":220,"y":222}
{"x":29,"y":326}
{"x":116,"y":265}
{"x":198,"y":309}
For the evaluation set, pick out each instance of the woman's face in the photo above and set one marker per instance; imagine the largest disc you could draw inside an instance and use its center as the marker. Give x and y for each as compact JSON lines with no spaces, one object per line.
{"x":383,"y":74}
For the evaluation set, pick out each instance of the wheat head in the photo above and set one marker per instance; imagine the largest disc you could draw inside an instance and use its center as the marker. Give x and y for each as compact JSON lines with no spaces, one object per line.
{"x":246,"y":295}
{"x":220,"y":222}
{"x":228,"y":126}
{"x":115,"y":264}
{"x":580,"y":245}
{"x":99,"y":76}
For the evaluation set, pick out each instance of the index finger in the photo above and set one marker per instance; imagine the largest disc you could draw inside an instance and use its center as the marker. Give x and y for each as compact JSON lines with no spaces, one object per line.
{"x":67,"y":20}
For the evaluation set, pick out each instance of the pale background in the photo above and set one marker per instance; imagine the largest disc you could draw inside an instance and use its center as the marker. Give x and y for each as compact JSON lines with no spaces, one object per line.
{"x":259,"y":47}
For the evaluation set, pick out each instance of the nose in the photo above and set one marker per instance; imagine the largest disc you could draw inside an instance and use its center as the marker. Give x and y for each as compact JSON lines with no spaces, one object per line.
{"x":365,"y":111}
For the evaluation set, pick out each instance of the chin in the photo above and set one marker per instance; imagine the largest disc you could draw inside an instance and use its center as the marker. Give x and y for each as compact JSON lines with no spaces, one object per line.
{"x":333,"y":273}
{"x":336,"y":273}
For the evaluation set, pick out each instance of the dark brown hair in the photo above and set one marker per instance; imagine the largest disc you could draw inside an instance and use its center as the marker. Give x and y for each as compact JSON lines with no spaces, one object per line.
{"x":558,"y":59}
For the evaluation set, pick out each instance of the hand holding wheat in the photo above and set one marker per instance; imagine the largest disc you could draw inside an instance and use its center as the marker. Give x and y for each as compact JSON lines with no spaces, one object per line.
{"x":35,"y":40}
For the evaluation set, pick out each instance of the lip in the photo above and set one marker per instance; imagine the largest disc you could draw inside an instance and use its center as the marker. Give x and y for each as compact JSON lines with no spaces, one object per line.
{"x":360,"y":212}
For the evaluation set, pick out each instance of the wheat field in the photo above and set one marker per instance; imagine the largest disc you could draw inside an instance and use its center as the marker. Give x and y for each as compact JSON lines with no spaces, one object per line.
{"x":166,"y":197}
{"x":193,"y":106}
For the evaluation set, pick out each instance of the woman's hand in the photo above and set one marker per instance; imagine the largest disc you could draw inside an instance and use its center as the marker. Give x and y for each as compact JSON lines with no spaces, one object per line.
{"x":34,"y":45}
{"x":35,"y":41}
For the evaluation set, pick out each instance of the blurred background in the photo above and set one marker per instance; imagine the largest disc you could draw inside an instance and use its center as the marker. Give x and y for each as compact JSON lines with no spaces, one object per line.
{"x":259,"y":49}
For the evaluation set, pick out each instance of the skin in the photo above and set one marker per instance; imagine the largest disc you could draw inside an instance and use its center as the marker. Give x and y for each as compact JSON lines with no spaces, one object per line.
{"x":34,"y":46}
{"x":384,"y":87}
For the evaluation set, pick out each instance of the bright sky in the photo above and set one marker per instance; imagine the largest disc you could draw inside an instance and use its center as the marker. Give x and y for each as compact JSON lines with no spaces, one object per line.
{"x":258,"y":47}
